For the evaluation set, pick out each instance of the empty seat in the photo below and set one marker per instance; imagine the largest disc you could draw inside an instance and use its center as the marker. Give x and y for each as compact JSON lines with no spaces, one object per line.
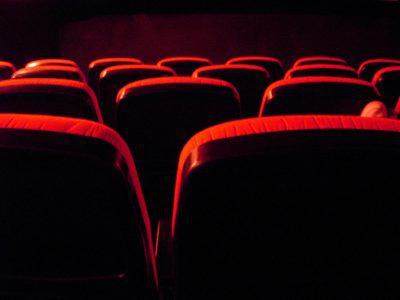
{"x":98,"y":65}
{"x":387,"y":81}
{"x":251,"y":82}
{"x":294,"y":207}
{"x":157,"y":116}
{"x":112,"y":79}
{"x":51,"y":62}
{"x":272,"y":65}
{"x":322,"y":70}
{"x":318,"y":95}
{"x":60,"y":97}
{"x":47,"y":71}
{"x":75,"y":223}
{"x":368,"y":68}
{"x":319,"y":60}
{"x":6,"y":70}
{"x":184,"y":65}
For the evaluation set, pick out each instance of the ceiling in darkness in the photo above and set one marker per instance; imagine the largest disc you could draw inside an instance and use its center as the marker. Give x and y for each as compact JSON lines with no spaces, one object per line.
{"x":64,"y":10}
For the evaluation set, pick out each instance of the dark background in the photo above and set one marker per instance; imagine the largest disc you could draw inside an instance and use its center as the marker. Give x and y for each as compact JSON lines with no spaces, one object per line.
{"x":219,"y":30}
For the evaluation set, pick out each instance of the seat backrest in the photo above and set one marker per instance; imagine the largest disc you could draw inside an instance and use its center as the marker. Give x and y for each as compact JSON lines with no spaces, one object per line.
{"x":157,"y":116}
{"x":294,"y":207}
{"x":60,"y":97}
{"x":272,"y":65}
{"x":112,"y":79}
{"x":6,"y":70}
{"x":317,"y":95}
{"x":51,"y":62}
{"x":368,"y":68}
{"x":184,"y":65}
{"x":75,"y":222}
{"x":98,"y":65}
{"x":321,"y":70}
{"x":51,"y":71}
{"x":319,"y":60}
{"x":250,"y":81}
{"x":387,"y":81}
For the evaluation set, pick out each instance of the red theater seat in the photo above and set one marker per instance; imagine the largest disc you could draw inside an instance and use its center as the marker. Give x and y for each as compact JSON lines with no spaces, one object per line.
{"x":251,"y":82}
{"x":387,"y":81}
{"x":157,"y":116}
{"x":52,"y":62}
{"x":368,"y":69}
{"x":74,"y":218}
{"x":319,"y":60}
{"x":294,"y":207}
{"x":322,"y":70}
{"x":47,"y":71}
{"x":184,"y":65}
{"x":272,"y":65}
{"x":317,"y":95}
{"x":112,"y":79}
{"x":6,"y":70}
{"x":60,"y":97}
{"x":98,"y":65}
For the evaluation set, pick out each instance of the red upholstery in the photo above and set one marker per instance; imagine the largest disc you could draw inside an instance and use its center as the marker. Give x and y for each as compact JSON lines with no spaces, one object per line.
{"x":272,"y":65}
{"x":154,"y":84}
{"x":51,"y":62}
{"x":157,"y":116}
{"x":68,"y":141}
{"x":321,"y":70}
{"x":98,"y":65}
{"x":286,"y":207}
{"x":128,"y":69}
{"x":23,"y":96}
{"x":275,"y":124}
{"x":6,"y":70}
{"x":51,"y":71}
{"x":387,"y":81}
{"x":319,"y":60}
{"x":369,"y":67}
{"x":250,"y":80}
{"x":184,"y":65}
{"x":318,"y":95}
{"x":112,"y":79}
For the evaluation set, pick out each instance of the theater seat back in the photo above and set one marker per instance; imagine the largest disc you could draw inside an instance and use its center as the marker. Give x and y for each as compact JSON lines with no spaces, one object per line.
{"x":74,"y":219}
{"x":112,"y":79}
{"x":289,"y":208}
{"x":321,"y":70}
{"x":250,"y":81}
{"x":272,"y":65}
{"x":157,"y":116}
{"x":59,"y":97}
{"x":317,"y":95}
{"x":98,"y":65}
{"x":6,"y":70}
{"x":387,"y":81}
{"x":60,"y":72}
{"x":370,"y":67}
{"x":184,"y":65}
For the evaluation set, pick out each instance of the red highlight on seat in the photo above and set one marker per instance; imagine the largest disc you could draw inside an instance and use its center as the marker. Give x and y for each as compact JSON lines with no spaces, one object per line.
{"x":51,"y":62}
{"x":51,"y":71}
{"x":319,"y":60}
{"x":6,"y":70}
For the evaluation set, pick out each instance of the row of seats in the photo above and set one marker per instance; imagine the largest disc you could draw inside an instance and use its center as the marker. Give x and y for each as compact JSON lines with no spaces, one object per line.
{"x":284,"y":207}
{"x":250,"y":80}
{"x":155,"y":117}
